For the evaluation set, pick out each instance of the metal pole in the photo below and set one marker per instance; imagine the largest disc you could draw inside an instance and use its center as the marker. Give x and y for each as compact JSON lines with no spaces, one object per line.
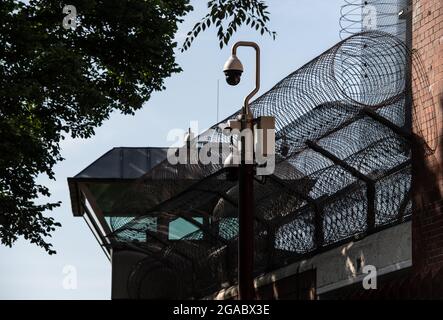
{"x":218,"y":98}
{"x":246,"y":222}
{"x":246,"y":190}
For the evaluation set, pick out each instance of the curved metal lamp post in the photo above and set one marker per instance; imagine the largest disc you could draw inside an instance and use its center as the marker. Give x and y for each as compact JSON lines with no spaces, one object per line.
{"x":246,"y":176}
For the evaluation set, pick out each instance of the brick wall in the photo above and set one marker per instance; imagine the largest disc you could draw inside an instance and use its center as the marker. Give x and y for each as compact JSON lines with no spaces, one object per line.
{"x":427,"y":44}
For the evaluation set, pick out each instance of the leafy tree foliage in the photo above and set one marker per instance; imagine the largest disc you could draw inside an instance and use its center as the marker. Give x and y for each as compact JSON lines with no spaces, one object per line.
{"x":228,"y":15}
{"x":56,"y":82}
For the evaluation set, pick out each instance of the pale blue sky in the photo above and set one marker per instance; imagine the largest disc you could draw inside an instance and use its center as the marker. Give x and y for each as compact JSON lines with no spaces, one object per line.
{"x":305,"y":29}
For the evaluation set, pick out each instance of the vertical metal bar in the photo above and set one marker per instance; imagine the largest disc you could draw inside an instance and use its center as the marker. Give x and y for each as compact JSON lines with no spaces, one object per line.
{"x":218,"y":98}
{"x":409,"y":61}
{"x":207,"y":223}
{"x":246,"y":224}
{"x":370,"y":194}
{"x":163,"y":227}
{"x":122,"y":168}
{"x":270,"y":239}
{"x":318,"y":226}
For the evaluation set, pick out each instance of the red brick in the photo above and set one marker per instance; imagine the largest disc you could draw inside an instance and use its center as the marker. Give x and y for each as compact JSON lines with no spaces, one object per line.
{"x":427,"y":224}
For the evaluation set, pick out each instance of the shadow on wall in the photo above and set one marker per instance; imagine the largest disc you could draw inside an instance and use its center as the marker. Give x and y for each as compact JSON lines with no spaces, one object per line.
{"x":427,"y":200}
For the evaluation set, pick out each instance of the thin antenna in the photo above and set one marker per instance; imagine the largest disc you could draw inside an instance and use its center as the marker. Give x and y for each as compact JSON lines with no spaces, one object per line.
{"x":218,"y":98}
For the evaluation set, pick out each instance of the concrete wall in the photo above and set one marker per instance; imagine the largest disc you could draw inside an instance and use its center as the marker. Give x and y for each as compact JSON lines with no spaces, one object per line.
{"x":388,"y":250}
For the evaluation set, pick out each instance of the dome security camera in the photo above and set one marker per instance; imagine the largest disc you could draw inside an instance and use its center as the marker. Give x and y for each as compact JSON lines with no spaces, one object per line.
{"x":233,"y":70}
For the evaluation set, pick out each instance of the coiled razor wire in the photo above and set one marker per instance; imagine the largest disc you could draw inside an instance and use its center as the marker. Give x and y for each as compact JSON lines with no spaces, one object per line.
{"x":353,"y":102}
{"x":367,"y":15}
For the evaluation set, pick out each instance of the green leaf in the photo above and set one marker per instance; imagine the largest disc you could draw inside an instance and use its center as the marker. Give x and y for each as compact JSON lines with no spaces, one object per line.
{"x":236,"y":13}
{"x":74,"y":81}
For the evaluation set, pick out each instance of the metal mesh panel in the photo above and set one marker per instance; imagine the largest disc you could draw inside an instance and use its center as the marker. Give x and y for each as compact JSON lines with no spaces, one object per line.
{"x":393,"y":199}
{"x":342,"y":170}
{"x":345,"y":215}
{"x":297,"y":235}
